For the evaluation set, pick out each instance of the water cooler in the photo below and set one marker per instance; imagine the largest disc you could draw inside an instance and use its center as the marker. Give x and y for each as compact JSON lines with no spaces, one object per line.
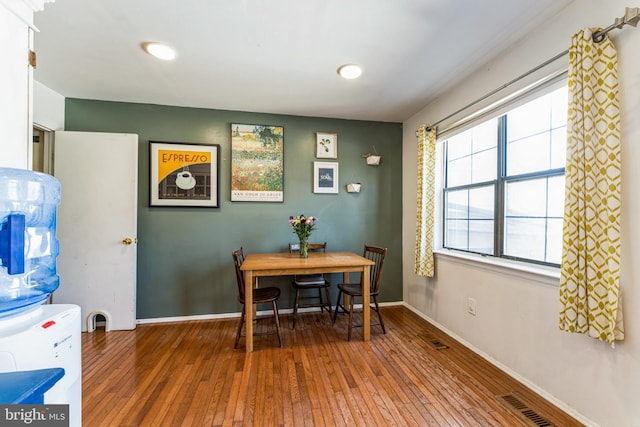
{"x":36,"y":338}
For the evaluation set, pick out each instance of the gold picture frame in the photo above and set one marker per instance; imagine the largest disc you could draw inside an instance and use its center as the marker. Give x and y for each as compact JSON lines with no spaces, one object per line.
{"x":326,"y":145}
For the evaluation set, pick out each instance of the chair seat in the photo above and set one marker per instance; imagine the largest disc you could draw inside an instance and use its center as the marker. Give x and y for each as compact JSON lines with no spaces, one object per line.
{"x":262,"y":295}
{"x":353,"y":289}
{"x":310,"y":280}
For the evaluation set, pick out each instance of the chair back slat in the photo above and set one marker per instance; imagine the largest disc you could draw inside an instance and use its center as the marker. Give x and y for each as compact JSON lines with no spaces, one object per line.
{"x":294,"y":248}
{"x":238,"y":259}
{"x":377,"y":255}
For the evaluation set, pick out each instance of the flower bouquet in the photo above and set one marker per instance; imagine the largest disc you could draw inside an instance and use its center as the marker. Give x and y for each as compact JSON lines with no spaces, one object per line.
{"x":303,"y":226}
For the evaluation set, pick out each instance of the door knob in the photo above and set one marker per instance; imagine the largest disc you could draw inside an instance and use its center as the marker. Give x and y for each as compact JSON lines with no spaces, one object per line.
{"x":127,"y":241}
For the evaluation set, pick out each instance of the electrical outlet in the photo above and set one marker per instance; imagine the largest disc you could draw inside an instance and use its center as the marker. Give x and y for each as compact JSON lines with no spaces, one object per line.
{"x":471,"y":306}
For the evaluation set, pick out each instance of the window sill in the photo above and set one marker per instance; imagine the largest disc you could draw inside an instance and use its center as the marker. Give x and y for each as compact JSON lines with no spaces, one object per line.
{"x":538,"y":273}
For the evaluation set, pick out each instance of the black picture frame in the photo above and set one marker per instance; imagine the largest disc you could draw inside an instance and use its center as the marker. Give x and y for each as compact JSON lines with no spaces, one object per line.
{"x":257,"y":163}
{"x":184,"y":174}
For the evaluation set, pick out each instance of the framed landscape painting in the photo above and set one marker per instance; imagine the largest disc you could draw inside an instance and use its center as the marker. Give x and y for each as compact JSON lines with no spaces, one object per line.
{"x":257,"y":163}
{"x":182,"y":174}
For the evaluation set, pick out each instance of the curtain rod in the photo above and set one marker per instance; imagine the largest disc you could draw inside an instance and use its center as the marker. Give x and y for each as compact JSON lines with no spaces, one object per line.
{"x":631,"y":17}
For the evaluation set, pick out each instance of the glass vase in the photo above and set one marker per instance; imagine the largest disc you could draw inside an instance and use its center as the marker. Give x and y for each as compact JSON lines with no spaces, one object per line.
{"x":304,"y":248}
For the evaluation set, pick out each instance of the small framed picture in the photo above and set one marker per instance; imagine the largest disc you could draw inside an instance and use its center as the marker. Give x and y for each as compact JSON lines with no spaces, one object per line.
{"x":326,"y":145}
{"x":325,"y":177}
{"x":183,"y":174}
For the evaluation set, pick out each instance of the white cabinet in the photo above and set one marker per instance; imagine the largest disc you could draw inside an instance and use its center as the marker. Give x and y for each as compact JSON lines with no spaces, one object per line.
{"x":16,"y":81}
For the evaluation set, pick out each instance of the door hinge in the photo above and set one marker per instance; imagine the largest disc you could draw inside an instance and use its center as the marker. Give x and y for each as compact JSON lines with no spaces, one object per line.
{"x":32,"y":58}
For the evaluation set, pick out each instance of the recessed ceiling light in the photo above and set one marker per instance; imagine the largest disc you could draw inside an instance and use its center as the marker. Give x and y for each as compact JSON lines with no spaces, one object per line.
{"x":350,"y":71}
{"x":159,"y":50}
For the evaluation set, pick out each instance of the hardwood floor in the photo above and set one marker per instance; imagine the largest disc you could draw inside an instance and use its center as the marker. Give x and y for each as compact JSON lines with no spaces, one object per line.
{"x":187,"y":374}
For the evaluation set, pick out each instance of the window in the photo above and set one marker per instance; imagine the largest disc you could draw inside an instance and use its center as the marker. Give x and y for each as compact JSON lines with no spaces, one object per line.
{"x":504,"y":183}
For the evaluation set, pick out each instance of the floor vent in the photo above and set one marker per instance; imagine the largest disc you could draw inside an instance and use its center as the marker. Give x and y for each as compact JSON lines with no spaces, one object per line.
{"x":437,"y":344}
{"x":527,"y":414}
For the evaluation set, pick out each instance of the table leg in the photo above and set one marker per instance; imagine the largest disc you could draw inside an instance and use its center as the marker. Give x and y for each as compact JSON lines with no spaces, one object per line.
{"x":345,"y":298}
{"x":248,"y":309}
{"x":366,"y":300}
{"x":255,"y":307}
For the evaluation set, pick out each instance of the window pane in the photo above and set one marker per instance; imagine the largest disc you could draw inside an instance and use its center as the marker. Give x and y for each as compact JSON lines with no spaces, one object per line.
{"x":457,"y":203}
{"x":559,"y":147}
{"x":481,"y":230}
{"x":533,"y":219}
{"x":525,"y":238}
{"x":526,"y":198}
{"x":529,"y":154}
{"x":529,"y":119}
{"x":459,"y":172}
{"x":534,"y":239}
{"x":542,"y":197}
{"x":471,"y":155}
{"x":485,"y":135}
{"x":536,"y":134}
{"x":555,"y":202}
{"x":484,"y":167}
{"x":459,"y":146}
{"x":481,"y":204}
{"x":554,"y":241}
{"x":481,"y":236}
{"x":559,"y":106}
{"x":456,"y":234}
{"x":469,"y":222}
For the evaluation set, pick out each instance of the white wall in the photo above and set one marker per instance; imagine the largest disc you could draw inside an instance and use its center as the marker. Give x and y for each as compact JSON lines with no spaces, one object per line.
{"x":48,"y":107}
{"x":517,"y":315}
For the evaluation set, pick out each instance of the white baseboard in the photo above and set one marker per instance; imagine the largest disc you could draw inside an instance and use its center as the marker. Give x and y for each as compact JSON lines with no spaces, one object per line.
{"x":237,"y":314}
{"x":186,"y":318}
{"x":552,"y":399}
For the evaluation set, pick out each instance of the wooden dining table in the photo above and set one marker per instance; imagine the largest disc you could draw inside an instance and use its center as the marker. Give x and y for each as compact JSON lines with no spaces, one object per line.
{"x":286,"y":264}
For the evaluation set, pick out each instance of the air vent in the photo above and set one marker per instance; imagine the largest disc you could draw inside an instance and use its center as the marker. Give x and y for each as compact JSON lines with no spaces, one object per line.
{"x":525,"y":413}
{"x":437,"y":344}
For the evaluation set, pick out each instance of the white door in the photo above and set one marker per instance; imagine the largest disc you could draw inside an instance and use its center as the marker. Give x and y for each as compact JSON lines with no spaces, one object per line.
{"x":97,"y":225}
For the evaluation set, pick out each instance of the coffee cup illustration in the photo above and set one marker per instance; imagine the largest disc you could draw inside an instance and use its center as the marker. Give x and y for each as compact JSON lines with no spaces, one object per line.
{"x":185,"y":181}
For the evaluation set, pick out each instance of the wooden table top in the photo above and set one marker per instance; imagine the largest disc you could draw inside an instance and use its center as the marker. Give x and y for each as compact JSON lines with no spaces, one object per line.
{"x":317,"y":262}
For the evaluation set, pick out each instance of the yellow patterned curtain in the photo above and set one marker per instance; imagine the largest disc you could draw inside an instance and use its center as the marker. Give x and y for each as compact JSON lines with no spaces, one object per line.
{"x":424,"y":265}
{"x":590,"y":273}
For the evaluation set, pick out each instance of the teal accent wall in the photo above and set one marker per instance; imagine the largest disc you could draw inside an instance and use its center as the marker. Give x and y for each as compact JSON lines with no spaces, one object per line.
{"x":184,"y":254}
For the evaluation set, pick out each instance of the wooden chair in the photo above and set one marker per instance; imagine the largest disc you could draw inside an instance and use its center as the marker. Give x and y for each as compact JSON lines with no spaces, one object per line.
{"x":241,"y":254}
{"x":353,"y":290}
{"x":260,"y":296}
{"x":310,"y":282}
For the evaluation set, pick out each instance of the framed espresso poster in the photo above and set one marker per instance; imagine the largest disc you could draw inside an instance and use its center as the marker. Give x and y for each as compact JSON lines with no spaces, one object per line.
{"x":184,"y":174}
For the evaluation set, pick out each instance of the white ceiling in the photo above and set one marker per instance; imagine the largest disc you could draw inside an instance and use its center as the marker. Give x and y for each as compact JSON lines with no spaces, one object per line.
{"x":277,"y":56}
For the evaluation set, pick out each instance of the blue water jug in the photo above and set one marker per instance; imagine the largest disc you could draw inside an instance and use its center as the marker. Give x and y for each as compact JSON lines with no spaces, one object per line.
{"x":28,"y":244}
